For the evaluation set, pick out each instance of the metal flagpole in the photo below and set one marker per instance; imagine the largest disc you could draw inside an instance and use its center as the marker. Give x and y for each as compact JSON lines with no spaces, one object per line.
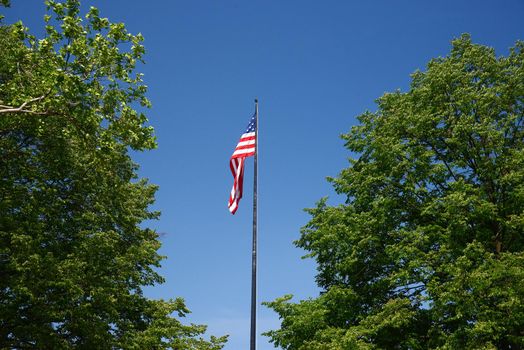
{"x":254,"y":256}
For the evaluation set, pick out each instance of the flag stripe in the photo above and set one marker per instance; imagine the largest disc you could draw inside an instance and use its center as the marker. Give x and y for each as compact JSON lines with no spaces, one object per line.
{"x":245,"y":143}
{"x":248,"y":134}
{"x":244,"y":153}
{"x":245,"y":146}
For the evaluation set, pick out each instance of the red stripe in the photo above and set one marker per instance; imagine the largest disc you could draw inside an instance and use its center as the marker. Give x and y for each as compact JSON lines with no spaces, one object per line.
{"x":243,"y":155}
{"x":247,"y":139}
{"x":245,"y":147}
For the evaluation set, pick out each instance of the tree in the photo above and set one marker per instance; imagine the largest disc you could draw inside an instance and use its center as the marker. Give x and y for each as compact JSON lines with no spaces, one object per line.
{"x":74,"y":253}
{"x":428,"y":250}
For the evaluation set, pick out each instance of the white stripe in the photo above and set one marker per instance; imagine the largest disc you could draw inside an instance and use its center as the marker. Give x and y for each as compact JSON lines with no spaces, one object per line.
{"x":238,"y":172}
{"x":245,"y":143}
{"x":243,"y":151}
{"x":234,"y":162}
{"x":247,"y":134}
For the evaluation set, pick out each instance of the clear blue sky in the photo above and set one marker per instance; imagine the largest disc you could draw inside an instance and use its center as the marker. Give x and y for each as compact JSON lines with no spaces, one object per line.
{"x":315,"y":66}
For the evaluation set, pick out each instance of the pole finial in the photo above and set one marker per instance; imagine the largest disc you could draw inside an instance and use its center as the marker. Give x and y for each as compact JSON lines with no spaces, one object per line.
{"x":256,"y":100}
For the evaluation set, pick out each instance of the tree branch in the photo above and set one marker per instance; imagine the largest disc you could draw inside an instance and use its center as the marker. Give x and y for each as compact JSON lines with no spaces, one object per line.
{"x":10,"y":109}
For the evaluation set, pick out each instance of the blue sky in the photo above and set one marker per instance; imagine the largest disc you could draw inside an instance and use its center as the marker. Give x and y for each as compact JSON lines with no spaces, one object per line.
{"x":314,"y":66}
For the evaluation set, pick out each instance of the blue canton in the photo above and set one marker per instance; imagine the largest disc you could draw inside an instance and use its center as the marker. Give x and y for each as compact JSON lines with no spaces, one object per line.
{"x":252,"y":125}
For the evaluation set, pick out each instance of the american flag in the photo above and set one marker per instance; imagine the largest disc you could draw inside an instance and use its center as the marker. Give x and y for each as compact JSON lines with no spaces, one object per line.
{"x":246,"y":147}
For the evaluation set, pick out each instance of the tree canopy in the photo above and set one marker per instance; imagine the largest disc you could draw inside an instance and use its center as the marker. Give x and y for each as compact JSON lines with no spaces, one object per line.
{"x":428,"y":250}
{"x":75,"y":252}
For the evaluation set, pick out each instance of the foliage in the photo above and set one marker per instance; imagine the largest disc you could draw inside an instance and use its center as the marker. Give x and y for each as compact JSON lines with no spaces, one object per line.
{"x":428,"y":250}
{"x":74,"y":255}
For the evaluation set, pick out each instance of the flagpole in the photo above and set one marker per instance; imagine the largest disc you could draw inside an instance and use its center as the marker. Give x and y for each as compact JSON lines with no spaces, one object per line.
{"x":254,"y":253}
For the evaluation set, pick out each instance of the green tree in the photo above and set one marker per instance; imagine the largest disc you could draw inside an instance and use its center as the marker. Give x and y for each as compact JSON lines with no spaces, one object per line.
{"x":74,"y":255}
{"x":428,"y":250}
